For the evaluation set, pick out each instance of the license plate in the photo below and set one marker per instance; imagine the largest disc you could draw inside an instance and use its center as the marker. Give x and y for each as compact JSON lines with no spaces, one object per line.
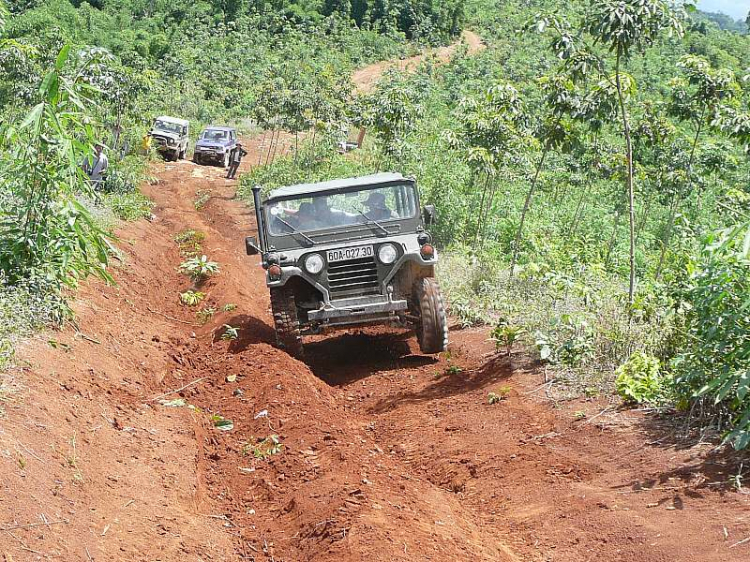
{"x":344,"y":254}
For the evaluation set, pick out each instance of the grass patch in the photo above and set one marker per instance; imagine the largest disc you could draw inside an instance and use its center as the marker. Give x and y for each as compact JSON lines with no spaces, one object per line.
{"x":129,"y":206}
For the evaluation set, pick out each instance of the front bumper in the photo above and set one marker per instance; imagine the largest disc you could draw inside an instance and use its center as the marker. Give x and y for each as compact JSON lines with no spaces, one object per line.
{"x":357,"y":314}
{"x":210,"y":154}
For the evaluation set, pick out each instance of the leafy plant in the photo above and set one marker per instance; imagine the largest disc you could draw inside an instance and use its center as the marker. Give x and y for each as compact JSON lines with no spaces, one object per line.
{"x":205,"y":315}
{"x":201,"y":198}
{"x":453,"y":370}
{"x":221,"y":423}
{"x":192,"y":298}
{"x":190,"y":242}
{"x":639,"y":379}
{"x":501,"y":394}
{"x":229,"y":308}
{"x":265,"y":448}
{"x":199,"y":268}
{"x":230,"y":333}
{"x":505,"y":335}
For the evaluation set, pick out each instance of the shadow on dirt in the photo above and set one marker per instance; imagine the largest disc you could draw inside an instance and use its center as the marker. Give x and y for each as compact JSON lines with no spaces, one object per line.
{"x":495,"y":369}
{"x":346,"y":358}
{"x":250,"y":330}
{"x":720,"y":468}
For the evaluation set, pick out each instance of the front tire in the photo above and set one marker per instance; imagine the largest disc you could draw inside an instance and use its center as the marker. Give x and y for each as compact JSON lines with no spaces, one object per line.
{"x":432,"y":328}
{"x":286,"y":322}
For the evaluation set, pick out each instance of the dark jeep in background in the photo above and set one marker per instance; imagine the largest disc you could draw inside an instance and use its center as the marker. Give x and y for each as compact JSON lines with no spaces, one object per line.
{"x":215,"y":146}
{"x":349,"y":252}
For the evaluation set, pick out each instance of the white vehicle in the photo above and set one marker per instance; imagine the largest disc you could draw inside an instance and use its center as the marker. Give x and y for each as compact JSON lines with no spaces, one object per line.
{"x":170,"y":136}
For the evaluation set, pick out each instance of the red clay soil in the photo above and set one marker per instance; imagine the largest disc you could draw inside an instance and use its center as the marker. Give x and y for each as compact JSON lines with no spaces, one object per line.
{"x":383,"y":454}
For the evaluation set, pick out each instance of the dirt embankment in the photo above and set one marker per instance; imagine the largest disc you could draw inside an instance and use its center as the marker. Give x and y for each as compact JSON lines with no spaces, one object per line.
{"x":369,"y":451}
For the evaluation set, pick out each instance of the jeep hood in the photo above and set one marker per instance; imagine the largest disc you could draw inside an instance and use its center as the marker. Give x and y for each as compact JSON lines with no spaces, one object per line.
{"x":167,"y":134}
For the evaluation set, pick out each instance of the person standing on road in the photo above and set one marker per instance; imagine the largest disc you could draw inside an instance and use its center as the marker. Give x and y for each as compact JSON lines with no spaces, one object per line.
{"x":234,"y":160}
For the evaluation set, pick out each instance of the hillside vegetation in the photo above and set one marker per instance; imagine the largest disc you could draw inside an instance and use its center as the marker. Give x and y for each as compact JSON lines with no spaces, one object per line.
{"x":590,"y":166}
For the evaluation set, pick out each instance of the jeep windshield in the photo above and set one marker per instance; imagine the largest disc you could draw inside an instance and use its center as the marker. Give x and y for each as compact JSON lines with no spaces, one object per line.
{"x":167,"y":126}
{"x":374,"y":206}
{"x":216,"y":135}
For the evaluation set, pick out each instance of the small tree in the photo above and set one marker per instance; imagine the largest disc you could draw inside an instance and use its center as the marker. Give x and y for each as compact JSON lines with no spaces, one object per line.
{"x":696,"y":99}
{"x":492,"y":130}
{"x":391,"y":112}
{"x":561,"y":99}
{"x":623,"y":26}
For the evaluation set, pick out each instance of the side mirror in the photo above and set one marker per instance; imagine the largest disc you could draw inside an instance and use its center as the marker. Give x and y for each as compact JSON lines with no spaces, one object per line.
{"x":251,"y":246}
{"x":429,"y":214}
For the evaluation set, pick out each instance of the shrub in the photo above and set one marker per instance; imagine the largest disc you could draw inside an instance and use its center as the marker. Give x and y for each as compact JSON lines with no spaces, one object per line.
{"x":638,"y":379}
{"x":714,"y":363}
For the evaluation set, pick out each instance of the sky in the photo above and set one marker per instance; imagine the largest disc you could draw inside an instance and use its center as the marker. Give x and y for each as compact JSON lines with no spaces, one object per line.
{"x":738,"y":9}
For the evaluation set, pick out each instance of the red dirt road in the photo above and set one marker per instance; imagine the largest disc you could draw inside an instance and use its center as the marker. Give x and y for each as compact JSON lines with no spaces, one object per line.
{"x":385,"y":455}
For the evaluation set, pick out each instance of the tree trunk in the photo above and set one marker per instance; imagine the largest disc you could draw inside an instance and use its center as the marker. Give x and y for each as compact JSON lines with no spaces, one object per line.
{"x":630,"y":182}
{"x":526,"y":206}
{"x":478,"y":231}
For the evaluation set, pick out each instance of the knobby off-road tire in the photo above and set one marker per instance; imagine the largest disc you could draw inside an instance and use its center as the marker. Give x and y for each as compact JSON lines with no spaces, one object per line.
{"x":432,"y":329}
{"x":286,"y":322}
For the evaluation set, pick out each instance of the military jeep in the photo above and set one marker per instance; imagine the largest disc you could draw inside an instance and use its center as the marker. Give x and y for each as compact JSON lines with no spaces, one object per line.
{"x":171,"y":136}
{"x":346,"y":253}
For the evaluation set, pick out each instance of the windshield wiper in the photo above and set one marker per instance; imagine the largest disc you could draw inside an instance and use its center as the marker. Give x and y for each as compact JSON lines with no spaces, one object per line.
{"x":295,"y":231}
{"x":376,"y":223}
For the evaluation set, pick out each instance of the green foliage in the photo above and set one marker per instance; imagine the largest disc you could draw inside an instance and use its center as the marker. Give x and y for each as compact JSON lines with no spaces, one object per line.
{"x":190,"y":242}
{"x":505,"y":335}
{"x":199,"y":268}
{"x":192,"y":298}
{"x":230,"y":333}
{"x":129,"y":206}
{"x":204,"y":315}
{"x":714,"y":364}
{"x":45,"y":230}
{"x":501,"y":394}
{"x":639,"y":379}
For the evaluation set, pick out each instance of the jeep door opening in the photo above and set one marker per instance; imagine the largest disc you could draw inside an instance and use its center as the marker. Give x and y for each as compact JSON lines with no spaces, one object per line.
{"x":349,"y":252}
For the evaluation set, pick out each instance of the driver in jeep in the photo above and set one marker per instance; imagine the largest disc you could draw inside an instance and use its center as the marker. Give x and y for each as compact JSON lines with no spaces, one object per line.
{"x":377,"y":209}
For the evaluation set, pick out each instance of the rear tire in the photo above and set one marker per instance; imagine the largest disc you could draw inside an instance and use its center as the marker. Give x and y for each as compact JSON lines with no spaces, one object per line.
{"x":432,"y":329}
{"x":286,"y":322}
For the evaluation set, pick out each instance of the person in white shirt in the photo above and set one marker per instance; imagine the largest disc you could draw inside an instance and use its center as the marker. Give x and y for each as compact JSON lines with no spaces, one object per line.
{"x":97,"y":167}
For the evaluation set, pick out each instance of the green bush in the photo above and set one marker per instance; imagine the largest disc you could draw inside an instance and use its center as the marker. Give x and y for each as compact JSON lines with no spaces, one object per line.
{"x":639,"y":379}
{"x":714,"y":363}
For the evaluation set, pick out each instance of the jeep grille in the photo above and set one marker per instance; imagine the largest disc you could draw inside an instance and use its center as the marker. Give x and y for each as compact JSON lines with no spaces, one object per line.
{"x":353,"y":278}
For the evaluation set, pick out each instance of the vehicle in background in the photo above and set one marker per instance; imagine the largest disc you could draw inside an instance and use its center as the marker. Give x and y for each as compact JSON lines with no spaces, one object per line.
{"x":349,"y":252}
{"x":170,"y":137}
{"x":215,"y":146}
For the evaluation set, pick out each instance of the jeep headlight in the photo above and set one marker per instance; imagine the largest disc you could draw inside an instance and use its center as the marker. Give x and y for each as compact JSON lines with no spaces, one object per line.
{"x":314,"y":264}
{"x":170,"y":141}
{"x":387,"y":254}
